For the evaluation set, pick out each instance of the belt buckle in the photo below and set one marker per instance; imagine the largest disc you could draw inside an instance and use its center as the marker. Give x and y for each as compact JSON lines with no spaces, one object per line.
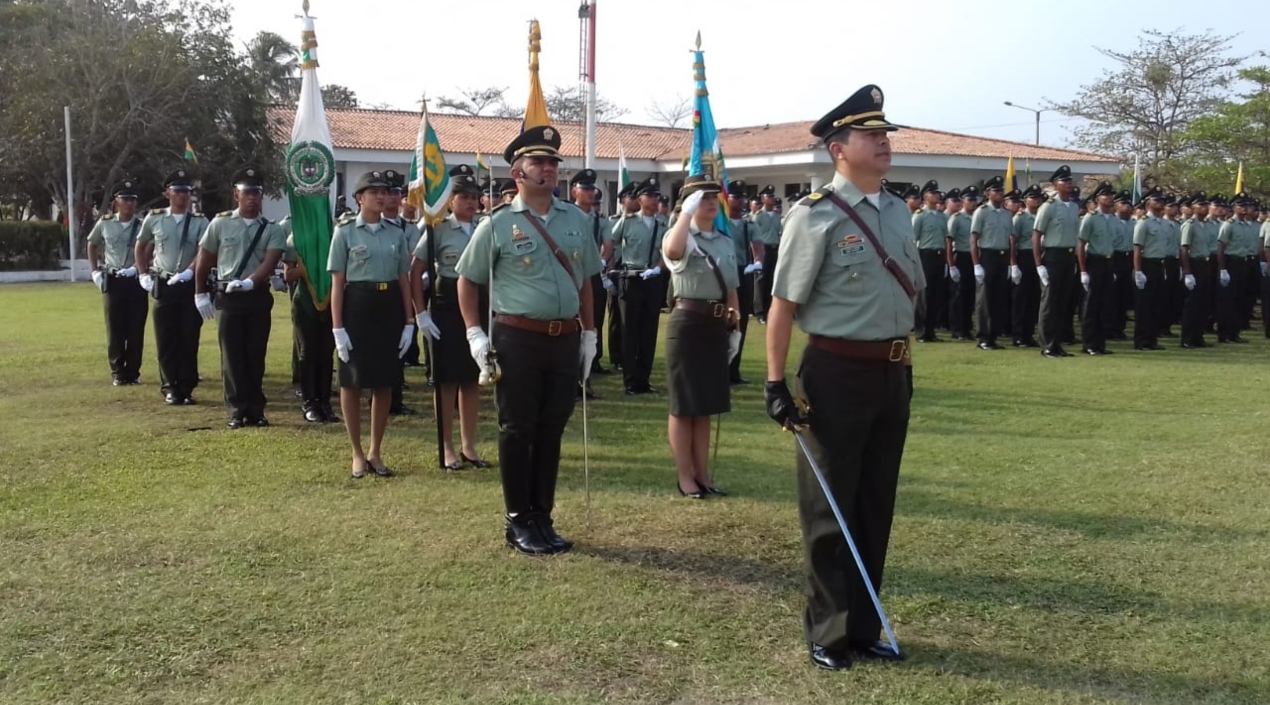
{"x":554,"y":328}
{"x":718,"y":310}
{"x":897,"y":351}
{"x":381,"y":286}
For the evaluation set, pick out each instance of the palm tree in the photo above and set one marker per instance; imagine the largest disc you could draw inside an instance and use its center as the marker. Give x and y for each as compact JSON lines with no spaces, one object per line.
{"x":276,"y":63}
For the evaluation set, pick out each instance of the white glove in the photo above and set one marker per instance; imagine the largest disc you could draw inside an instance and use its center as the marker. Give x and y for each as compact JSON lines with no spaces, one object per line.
{"x":650,"y":273}
{"x":692,"y":203}
{"x":478,"y":344}
{"x":758,"y":266}
{"x":734,"y":345}
{"x":955,"y":274}
{"x":1265,"y":269}
{"x":586,"y":351}
{"x":129,"y":272}
{"x":277,"y":283}
{"x":1044,"y":275}
{"x":979,"y":273}
{"x":99,"y":280}
{"x":203,"y":302}
{"x":424,"y":278}
{"x":750,"y":268}
{"x":147,"y":282}
{"x":1084,"y":280}
{"x":1225,"y":278}
{"x":407,"y":337}
{"x":1139,"y":279}
{"x":182,"y":276}
{"x":240,"y":285}
{"x":343,"y":344}
{"x":1016,"y":274}
{"x":608,"y":285}
{"x":1189,"y":281}
{"x":424,"y":320}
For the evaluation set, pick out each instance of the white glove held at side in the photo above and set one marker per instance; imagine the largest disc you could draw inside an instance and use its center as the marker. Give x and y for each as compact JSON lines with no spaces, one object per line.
{"x":203,"y":302}
{"x":343,"y":345}
{"x":1044,"y":275}
{"x":478,"y":345}
{"x":429,"y":328}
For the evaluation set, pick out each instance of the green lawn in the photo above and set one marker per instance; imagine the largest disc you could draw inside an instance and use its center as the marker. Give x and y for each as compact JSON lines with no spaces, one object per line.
{"x":1068,"y":531}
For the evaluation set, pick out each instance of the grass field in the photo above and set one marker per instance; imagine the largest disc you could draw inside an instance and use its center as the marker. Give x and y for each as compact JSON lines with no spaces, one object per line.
{"x":1068,"y":531}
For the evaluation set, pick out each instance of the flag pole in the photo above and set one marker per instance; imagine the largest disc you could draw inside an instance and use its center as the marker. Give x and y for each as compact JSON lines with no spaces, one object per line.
{"x":71,"y":215}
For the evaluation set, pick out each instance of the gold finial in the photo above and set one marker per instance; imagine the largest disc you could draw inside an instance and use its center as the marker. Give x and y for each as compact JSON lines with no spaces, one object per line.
{"x":698,"y":40}
{"x":305,"y":5}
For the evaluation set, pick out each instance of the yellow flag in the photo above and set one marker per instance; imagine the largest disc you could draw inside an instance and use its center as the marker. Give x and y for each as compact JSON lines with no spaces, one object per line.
{"x":1010,"y":183}
{"x":1239,"y":179}
{"x":536,"y":111}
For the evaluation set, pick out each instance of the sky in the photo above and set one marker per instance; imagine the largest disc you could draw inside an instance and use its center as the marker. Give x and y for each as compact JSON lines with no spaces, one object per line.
{"x":766,"y":62}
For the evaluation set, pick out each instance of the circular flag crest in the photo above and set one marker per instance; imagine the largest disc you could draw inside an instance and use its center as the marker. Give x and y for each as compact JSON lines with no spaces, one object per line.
{"x":310,"y":168}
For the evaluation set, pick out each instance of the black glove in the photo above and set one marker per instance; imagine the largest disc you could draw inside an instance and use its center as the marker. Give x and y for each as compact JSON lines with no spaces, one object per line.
{"x":781,"y":406}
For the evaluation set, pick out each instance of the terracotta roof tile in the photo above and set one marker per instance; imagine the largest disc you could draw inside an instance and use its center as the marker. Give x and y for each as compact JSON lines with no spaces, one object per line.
{"x":395,"y":131}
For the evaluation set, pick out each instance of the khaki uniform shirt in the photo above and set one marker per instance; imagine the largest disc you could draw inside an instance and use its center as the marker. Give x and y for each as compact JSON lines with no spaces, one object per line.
{"x":1021,"y":228}
{"x":959,"y":231}
{"x":1200,"y":236}
{"x":770,"y":227}
{"x":363,"y":253}
{"x":451,"y":240}
{"x":1152,"y":234}
{"x":174,"y":245}
{"x":744,"y":234}
{"x":1098,"y":231}
{"x":692,"y":277}
{"x":228,"y":236}
{"x":1058,"y":222}
{"x":930,"y":227}
{"x":116,"y":240}
{"x":993,"y":225}
{"x":637,"y":246}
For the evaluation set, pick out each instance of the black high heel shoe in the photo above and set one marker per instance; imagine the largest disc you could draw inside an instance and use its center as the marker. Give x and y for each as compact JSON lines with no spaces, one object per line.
{"x":699,"y":494}
{"x":712,"y":491}
{"x":474,"y":462}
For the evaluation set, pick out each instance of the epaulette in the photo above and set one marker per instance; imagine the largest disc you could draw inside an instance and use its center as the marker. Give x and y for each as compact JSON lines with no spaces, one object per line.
{"x":197,"y":214}
{"x":108,"y":216}
{"x":157,"y":211}
{"x":499,"y":207}
{"x":631,"y":215}
{"x":412,"y":222}
{"x":346,"y":219}
{"x":814,"y":197}
{"x":284,"y":220}
{"x":224,"y":214}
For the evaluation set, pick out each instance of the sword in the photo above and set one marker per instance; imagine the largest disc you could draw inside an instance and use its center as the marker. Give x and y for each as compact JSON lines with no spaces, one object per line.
{"x":586,"y":459}
{"x":855,"y":553}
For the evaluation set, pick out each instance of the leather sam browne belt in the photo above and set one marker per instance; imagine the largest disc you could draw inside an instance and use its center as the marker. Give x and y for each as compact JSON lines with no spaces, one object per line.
{"x":714,"y":309}
{"x":896,"y":350}
{"x":564,"y":326}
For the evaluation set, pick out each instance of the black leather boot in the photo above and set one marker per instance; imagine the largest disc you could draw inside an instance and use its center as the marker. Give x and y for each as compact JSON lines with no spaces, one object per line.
{"x":525,"y":535}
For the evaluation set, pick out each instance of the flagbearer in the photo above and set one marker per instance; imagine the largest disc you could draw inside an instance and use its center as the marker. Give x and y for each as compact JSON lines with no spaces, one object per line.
{"x":244,"y":247}
{"x":749,"y":258}
{"x":112,"y":256}
{"x":637,"y":238}
{"x":370,"y":314}
{"x":541,"y":258}
{"x":310,"y":326}
{"x":166,"y":248}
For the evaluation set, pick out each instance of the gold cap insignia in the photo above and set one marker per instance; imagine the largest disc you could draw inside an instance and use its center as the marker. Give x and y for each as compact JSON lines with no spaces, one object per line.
{"x":548,"y":134}
{"x":877,"y":96}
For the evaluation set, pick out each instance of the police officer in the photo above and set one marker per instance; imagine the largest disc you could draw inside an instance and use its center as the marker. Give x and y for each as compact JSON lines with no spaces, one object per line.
{"x":749,"y":258}
{"x":311,"y":330}
{"x":768,"y":221}
{"x":1233,"y":248}
{"x":112,"y":256}
{"x":392,"y":216}
{"x":1171,"y":306}
{"x":1054,"y":236}
{"x":961,"y":302}
{"x":165,"y":251}
{"x":1122,"y":266}
{"x":1094,"y":247}
{"x":637,"y":238}
{"x":857,"y":313}
{"x":702,"y":336}
{"x":1199,"y":246}
{"x":541,"y":258}
{"x":1151,"y":242}
{"x":585,"y":197}
{"x":930,"y":228}
{"x":990,"y":252}
{"x":244,"y":247}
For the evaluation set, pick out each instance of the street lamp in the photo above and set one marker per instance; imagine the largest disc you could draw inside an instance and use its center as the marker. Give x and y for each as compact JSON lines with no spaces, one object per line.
{"x":1038,"y":118}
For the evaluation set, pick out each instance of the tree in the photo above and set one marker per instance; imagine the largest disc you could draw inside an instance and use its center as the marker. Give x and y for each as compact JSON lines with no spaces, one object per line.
{"x":670,"y":113}
{"x":475,"y":101}
{"x":1143,"y":105}
{"x":1237,"y":132}
{"x":569,"y":105}
{"x":563,"y":104}
{"x":336,"y":96}
{"x":276,"y":63}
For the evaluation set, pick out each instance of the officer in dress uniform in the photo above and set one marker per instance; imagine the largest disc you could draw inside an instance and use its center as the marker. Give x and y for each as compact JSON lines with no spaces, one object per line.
{"x":1151,"y":242}
{"x":1122,"y":266}
{"x":541,"y":257}
{"x":165,"y":251}
{"x":1054,"y":236}
{"x":768,"y":221}
{"x":586,"y":198}
{"x":628,"y":204}
{"x":244,"y":247}
{"x":1199,"y":246}
{"x":311,"y":329}
{"x":112,"y":256}
{"x":637,"y":238}
{"x":749,"y":258}
{"x":391,"y":215}
{"x":990,"y":251}
{"x":961,"y":301}
{"x":858,"y":315}
{"x":1094,"y":248}
{"x":1171,"y":305}
{"x":1234,"y":244}
{"x":930,"y":227}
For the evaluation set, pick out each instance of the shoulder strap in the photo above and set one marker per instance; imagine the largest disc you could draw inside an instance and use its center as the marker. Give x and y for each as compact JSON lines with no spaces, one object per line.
{"x":714,"y":267}
{"x":185,"y":232}
{"x":891,"y":265}
{"x":595,"y":227}
{"x":555,"y":249}
{"x":242,"y":264}
{"x":652,"y":244}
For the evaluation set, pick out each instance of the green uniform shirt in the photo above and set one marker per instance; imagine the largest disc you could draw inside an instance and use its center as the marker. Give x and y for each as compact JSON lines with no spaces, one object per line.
{"x":1152,"y":234}
{"x":1057,"y":221}
{"x":770,"y":227}
{"x":930,"y":227}
{"x":1230,"y":234}
{"x":691,"y":277}
{"x":1174,"y":230}
{"x":637,"y":245}
{"x":228,"y":236}
{"x":528,"y":279}
{"x":1097,"y":230}
{"x":1124,"y":235}
{"x":744,"y":234}
{"x":413,"y":234}
{"x":116,"y":240}
{"x":599,"y":228}
{"x":365,"y":254}
{"x":830,"y":270}
{"x":959,"y":231}
{"x":1265,"y":234}
{"x":1023,"y":225}
{"x":993,"y":225}
{"x":174,"y":246}
{"x":1249,"y":237}
{"x":1200,"y":236}
{"x":451,"y":239}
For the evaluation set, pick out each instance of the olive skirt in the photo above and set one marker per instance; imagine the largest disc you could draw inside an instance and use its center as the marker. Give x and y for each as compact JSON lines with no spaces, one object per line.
{"x":697,"y":364}
{"x":373,"y":319}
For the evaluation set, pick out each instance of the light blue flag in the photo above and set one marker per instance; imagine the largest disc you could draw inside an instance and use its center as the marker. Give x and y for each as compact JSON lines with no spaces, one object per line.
{"x":707,"y":156}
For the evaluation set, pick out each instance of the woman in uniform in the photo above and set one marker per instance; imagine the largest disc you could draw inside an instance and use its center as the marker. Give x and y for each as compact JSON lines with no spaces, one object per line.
{"x":453,"y":370}
{"x":370,"y":314}
{"x":702,"y":336}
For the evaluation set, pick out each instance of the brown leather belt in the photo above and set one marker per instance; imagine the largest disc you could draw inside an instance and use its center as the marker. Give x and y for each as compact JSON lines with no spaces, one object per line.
{"x":553,"y":328}
{"x":881,"y":350}
{"x":714,"y":309}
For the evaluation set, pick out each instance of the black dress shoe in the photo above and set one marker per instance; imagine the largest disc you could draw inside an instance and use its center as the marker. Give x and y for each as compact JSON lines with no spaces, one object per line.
{"x":1054,"y":354}
{"x":1149,"y":348}
{"x":527,"y":538}
{"x":235,"y":422}
{"x":828,"y":659}
{"x":1235,"y":339}
{"x":188,"y":400}
{"x":712,"y":491}
{"x":171,"y":399}
{"x":1093,"y":351}
{"x":631,"y":391}
{"x":1104,"y":351}
{"x":1168,"y":334}
{"x":314,"y":415}
{"x":1020,"y":344}
{"x":698,"y":494}
{"x":328,"y":416}
{"x":930,"y":339}
{"x":877,"y":651}
{"x":297,"y":393}
{"x":989,"y":345}
{"x":1031,"y":343}
{"x":738,"y":380}
{"x":1190,"y":346}
{"x":650,"y":389}
{"x":558,"y":543}
{"x":381,"y":471}
{"x":257,"y":421}
{"x":474,"y":462}
{"x":959,"y":337}
{"x":117,"y":382}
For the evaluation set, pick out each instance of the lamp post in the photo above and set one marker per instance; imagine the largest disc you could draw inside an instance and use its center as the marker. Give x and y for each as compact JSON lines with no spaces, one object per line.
{"x":1038,"y":117}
